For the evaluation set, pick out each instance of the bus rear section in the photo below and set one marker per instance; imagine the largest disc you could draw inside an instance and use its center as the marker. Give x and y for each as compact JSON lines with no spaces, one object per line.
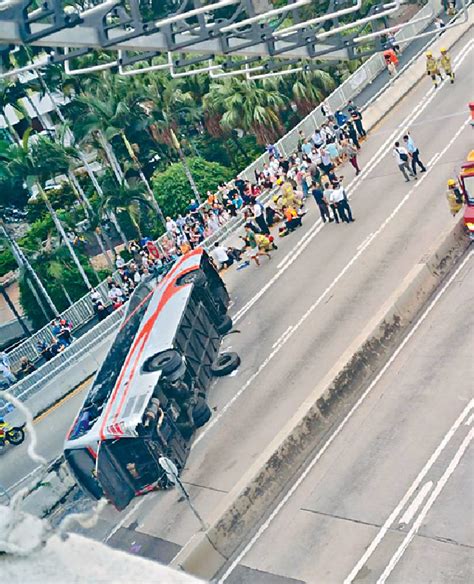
{"x":150,"y":394}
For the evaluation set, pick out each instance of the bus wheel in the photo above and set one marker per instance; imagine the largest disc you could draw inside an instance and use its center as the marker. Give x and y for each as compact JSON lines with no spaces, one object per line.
{"x":167,"y":361}
{"x":201,"y":413}
{"x":225,"y":364}
{"x":225,"y":325}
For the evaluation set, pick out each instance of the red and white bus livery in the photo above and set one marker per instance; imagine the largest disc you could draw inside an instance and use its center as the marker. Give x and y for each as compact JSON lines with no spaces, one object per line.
{"x":149,"y":395}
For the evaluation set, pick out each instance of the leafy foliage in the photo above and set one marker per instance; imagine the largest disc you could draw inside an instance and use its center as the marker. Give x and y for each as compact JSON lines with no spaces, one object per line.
{"x":7,"y":262}
{"x":172,"y":189}
{"x":69,"y":278}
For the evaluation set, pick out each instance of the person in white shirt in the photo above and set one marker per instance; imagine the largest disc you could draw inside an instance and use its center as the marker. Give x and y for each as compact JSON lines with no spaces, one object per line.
{"x":338,"y":198}
{"x":402,"y":159}
{"x":274,"y":166}
{"x":258,"y":213}
{"x":328,"y":195}
{"x":171,"y":226}
{"x":220,"y":256}
{"x":5,"y":370}
{"x":414,"y":153}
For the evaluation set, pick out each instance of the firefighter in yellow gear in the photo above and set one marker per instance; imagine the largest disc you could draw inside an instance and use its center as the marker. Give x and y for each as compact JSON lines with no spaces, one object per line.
{"x":432,"y":69}
{"x":451,"y":10}
{"x":445,"y":63}
{"x":454,"y":196}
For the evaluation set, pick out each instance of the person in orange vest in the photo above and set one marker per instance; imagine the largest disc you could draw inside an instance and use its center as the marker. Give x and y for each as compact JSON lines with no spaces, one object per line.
{"x":391,"y":61}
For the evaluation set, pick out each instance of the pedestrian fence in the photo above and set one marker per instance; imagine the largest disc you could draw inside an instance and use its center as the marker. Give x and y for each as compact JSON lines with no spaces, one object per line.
{"x":34,"y":382}
{"x":82,"y":311}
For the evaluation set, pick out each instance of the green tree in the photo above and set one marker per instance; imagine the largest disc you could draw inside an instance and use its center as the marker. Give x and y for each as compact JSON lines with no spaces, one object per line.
{"x":172,"y":188}
{"x":70,"y":280}
{"x":307,"y":89}
{"x":37,"y":162}
{"x":130,"y":200}
{"x":247,"y":105}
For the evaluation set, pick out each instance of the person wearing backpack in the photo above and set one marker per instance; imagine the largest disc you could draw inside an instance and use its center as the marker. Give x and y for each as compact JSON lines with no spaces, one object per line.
{"x":402,"y":158}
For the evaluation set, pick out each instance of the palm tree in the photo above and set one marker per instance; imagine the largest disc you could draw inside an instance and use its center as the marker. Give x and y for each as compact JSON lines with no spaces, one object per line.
{"x":129,"y":199}
{"x":56,"y":271}
{"x":37,"y":163}
{"x":10,"y":94}
{"x":244,"y":104}
{"x":167,"y":105}
{"x":30,"y":274}
{"x":306,"y":88}
{"x":107,"y":115}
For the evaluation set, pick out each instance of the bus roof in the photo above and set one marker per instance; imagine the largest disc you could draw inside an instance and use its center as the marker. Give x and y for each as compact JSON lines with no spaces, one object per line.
{"x":121,"y":390}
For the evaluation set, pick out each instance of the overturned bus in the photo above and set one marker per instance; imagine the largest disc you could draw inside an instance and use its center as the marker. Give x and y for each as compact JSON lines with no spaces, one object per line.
{"x":149,"y":395}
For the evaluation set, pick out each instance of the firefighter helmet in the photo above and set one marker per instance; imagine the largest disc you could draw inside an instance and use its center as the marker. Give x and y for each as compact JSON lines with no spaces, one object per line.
{"x":451,"y":182}
{"x":429,"y":54}
{"x":443,"y":50}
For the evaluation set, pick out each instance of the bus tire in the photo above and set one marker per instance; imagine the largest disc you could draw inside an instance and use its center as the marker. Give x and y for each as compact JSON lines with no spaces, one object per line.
{"x":225,"y":364}
{"x":225,"y":325}
{"x":167,"y":361}
{"x":201,"y":413}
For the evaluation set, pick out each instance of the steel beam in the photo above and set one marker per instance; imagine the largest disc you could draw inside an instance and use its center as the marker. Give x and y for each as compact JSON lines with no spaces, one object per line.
{"x":88,"y":37}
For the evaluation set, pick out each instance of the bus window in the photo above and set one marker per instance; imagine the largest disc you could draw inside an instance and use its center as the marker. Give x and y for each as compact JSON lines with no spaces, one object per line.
{"x":117,"y":354}
{"x":125,"y":467}
{"x":83,"y":466}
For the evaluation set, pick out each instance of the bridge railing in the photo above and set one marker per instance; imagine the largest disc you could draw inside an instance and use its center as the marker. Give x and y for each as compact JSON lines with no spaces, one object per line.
{"x":82,"y":311}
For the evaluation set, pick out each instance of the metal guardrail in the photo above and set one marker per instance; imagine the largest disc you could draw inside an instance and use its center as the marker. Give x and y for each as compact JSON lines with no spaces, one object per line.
{"x":82,"y":310}
{"x":29,"y":386}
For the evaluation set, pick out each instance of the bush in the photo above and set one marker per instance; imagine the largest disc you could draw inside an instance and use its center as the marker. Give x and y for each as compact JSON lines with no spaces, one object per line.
{"x":173,"y":191}
{"x":7,"y":262}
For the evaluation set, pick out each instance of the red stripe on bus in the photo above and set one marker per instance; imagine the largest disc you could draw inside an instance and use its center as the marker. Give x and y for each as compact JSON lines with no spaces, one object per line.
{"x":168,"y":292}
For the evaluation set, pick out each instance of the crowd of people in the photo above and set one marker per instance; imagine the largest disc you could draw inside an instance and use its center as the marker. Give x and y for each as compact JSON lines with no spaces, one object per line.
{"x":310,"y":171}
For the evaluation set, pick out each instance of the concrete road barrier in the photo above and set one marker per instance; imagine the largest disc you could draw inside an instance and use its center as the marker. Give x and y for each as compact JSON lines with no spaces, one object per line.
{"x":270,"y":476}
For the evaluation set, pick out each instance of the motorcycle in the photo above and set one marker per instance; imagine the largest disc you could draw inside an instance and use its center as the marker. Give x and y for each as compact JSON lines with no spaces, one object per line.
{"x":13,"y":435}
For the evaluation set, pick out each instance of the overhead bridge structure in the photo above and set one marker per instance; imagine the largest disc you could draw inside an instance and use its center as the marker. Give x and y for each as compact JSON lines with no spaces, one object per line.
{"x":189,"y":34}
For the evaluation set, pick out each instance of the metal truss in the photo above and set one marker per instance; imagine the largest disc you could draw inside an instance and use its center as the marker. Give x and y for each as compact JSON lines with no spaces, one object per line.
{"x":260,"y":37}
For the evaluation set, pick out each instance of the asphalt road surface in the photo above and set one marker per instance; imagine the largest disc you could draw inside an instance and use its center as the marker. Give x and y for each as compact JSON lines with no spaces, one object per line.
{"x":298,"y":312}
{"x":392,"y":496}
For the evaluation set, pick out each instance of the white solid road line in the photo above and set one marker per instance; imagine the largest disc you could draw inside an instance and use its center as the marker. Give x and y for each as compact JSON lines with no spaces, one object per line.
{"x":342,"y":425}
{"x":282,"y":336}
{"x":419,"y":520}
{"x":470,"y":420}
{"x":383,"y":151}
{"x":125,"y":518}
{"x":11,"y":488}
{"x":411,"y":490}
{"x":362,"y":247}
{"x":416,"y":503}
{"x":300,"y":248}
